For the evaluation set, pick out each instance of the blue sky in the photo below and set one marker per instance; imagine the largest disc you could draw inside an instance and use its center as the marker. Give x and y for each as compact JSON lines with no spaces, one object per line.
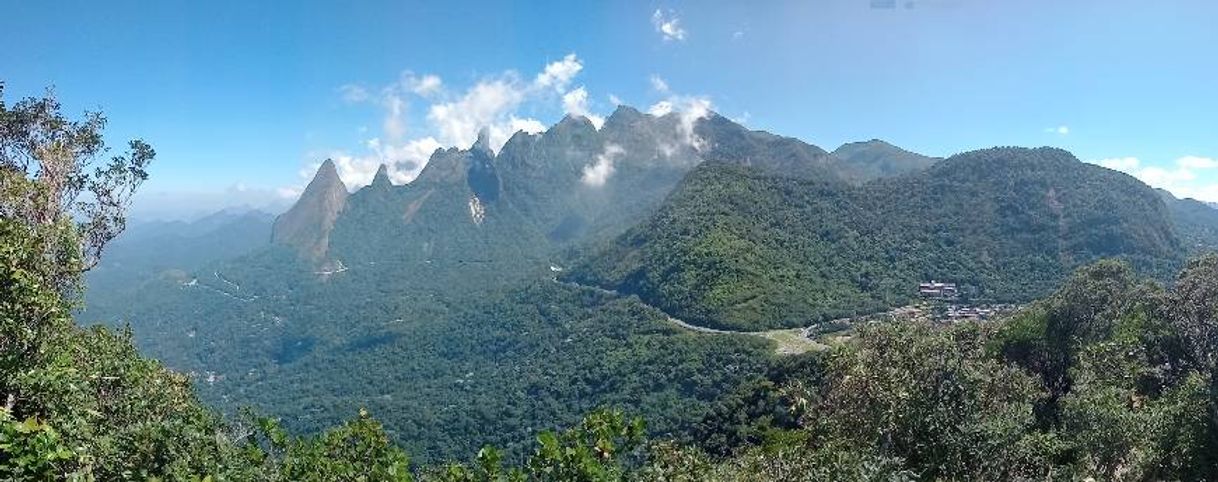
{"x":242,"y":99}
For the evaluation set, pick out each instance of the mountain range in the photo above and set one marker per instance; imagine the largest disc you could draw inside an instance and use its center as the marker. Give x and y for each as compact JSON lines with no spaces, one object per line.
{"x":505,"y":292}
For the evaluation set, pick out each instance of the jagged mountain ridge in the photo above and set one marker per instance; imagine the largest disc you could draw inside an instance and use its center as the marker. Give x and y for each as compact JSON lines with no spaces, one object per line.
{"x":443,"y":312}
{"x":540,"y":193}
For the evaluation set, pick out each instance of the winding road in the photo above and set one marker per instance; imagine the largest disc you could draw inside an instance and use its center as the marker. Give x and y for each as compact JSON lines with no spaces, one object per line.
{"x":790,"y":340}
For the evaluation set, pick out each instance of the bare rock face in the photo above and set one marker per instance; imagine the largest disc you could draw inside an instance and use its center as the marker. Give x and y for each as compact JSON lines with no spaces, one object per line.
{"x":307,"y":225}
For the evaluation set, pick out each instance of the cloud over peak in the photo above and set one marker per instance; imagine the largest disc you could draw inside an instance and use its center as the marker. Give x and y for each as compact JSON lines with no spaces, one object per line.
{"x":559,"y":74}
{"x":451,"y":117}
{"x":596,"y":174}
{"x":575,"y":102}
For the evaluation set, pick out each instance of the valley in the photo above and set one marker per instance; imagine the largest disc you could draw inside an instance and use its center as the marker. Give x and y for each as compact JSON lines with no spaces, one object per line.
{"x":691,"y":270}
{"x":664,"y":241}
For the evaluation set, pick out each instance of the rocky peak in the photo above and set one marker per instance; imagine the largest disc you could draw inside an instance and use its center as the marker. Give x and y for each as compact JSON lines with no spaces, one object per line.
{"x":482,"y":176}
{"x":381,"y":179}
{"x":445,"y":166}
{"x":483,"y":144}
{"x":624,"y":116}
{"x":307,"y":225}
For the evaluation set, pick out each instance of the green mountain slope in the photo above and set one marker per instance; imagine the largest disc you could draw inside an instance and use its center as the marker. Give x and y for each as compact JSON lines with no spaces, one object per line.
{"x":152,"y":250}
{"x":738,"y":248}
{"x":875,"y":159}
{"x":1197,"y":222}
{"x":432,"y":302}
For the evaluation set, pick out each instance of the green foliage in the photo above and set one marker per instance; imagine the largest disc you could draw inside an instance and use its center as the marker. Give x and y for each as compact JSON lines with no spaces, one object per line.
{"x":876,"y":159}
{"x":1105,"y":379}
{"x":785,"y":462}
{"x":596,"y":450}
{"x":933,"y":398}
{"x":30,"y":450}
{"x":742,"y":248}
{"x":492,"y":371}
{"x":1111,"y":377}
{"x":356,"y":451}
{"x":1196,"y":221}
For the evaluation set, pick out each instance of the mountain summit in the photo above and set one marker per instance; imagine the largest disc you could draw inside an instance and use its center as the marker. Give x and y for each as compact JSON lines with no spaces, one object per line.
{"x":875,"y":159}
{"x":543,"y":192}
{"x":307,"y":225}
{"x":381,"y":179}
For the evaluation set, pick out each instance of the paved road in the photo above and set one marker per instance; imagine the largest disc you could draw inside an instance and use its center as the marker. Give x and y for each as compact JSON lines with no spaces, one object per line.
{"x":681,"y":323}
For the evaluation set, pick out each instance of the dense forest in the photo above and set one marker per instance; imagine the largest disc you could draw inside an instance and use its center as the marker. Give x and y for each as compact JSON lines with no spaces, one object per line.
{"x":738,"y":248}
{"x":404,"y":283}
{"x":463,"y":318}
{"x":1112,"y":374}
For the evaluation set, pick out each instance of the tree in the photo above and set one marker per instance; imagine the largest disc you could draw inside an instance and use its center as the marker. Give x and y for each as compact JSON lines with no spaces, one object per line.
{"x":597,"y":450}
{"x":1193,"y":305}
{"x":52,"y":175}
{"x":59,"y":206}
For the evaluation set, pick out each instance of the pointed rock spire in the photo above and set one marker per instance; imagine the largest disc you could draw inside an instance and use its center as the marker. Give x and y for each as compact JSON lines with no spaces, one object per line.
{"x":483,"y":143}
{"x":307,"y":225}
{"x":381,"y":179}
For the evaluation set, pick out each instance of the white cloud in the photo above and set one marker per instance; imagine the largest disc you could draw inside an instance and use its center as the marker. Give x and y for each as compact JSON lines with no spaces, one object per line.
{"x":1182,"y":179}
{"x":1059,"y":130}
{"x":658,"y":84}
{"x":491,"y":103}
{"x":499,"y":133}
{"x":596,"y":174}
{"x":485,"y":104}
{"x":689,"y":109}
{"x":615,"y":100}
{"x":575,"y":102}
{"x":1197,"y":162}
{"x":404,"y":161}
{"x":353,"y":93}
{"x":289,"y":193}
{"x":1159,"y":177}
{"x":426,"y":86}
{"x":660,"y":109}
{"x":737,"y":35}
{"x":452,"y":119}
{"x":559,"y":74}
{"x":394,"y":124}
{"x":668,"y":25}
{"x":1124,"y":164}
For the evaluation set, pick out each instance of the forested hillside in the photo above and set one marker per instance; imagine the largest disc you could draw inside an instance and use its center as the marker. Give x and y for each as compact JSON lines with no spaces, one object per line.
{"x":1110,"y":376}
{"x":740,"y":248}
{"x":433,"y":304}
{"x":1197,"y":222}
{"x":169,"y":249}
{"x":442,"y":286}
{"x":875,"y":159}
